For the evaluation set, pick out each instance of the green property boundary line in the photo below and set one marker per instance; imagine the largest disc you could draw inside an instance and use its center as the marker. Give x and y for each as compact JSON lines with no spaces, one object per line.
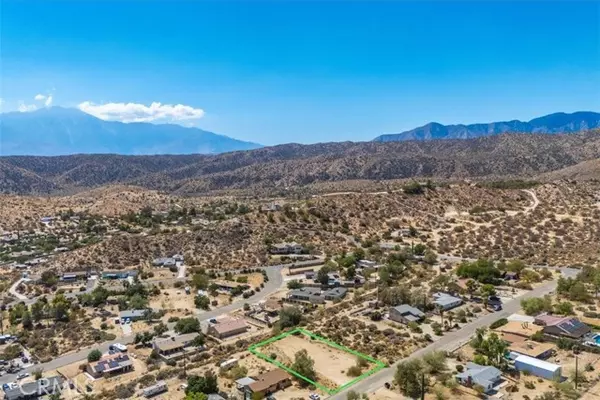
{"x":378,"y":364}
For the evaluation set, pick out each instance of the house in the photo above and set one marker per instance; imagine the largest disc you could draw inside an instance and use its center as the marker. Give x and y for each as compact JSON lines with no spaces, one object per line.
{"x":174,"y":347}
{"x":405,"y":313}
{"x":123,"y":274}
{"x":164,"y":262}
{"x":228,"y":286}
{"x":337,"y":293}
{"x":134,"y":315}
{"x":310,"y":294}
{"x":562,"y":326}
{"x":522,"y":329}
{"x":243,"y":383}
{"x":269,"y":382}
{"x":536,"y":367}
{"x":228,"y":327}
{"x":445,"y":301}
{"x":73,"y":276}
{"x":272,"y":307}
{"x":110,"y":365}
{"x":532,"y":349}
{"x":481,"y":375}
{"x":35,"y":390}
{"x":286,"y":248}
{"x":159,"y":387}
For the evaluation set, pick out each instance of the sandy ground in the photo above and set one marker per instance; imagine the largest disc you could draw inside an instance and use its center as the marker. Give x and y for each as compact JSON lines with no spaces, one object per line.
{"x":173,"y":299}
{"x":330,"y":364}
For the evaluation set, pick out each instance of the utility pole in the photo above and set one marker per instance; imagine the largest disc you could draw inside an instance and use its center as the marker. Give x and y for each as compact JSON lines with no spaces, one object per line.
{"x":576,"y":372}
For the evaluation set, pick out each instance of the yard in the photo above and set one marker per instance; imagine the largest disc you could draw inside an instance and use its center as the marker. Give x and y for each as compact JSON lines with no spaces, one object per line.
{"x":331,"y":364}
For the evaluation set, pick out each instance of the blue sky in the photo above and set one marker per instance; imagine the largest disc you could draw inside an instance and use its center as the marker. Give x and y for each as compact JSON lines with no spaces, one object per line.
{"x":283,"y":71}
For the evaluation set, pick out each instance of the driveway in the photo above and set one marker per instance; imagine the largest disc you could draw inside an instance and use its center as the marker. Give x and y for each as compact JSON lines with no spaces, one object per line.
{"x":13,"y":290}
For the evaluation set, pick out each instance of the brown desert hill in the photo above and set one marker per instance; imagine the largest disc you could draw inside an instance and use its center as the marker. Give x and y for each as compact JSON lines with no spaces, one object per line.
{"x":509,"y":155}
{"x":586,"y":170}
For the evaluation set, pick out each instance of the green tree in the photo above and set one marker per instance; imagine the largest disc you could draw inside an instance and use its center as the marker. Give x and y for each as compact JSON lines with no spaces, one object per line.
{"x":304,"y":365}
{"x":200,"y":281}
{"x":202,"y":302}
{"x":187,"y":325}
{"x":202,"y":384}
{"x":94,"y":355}
{"x":294,"y":284}
{"x":289,"y":317}
{"x":196,"y":396}
{"x":323,"y":275}
{"x":435,"y":362}
{"x":238,"y":372}
{"x":408,"y":377}
{"x":137,"y":302}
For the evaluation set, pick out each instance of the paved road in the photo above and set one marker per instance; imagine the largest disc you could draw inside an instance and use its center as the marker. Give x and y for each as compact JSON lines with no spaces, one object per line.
{"x":450,"y":341}
{"x":275,"y":282}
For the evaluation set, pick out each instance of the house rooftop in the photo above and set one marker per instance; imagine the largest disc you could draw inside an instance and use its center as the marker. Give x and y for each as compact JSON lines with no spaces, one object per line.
{"x":311,"y":291}
{"x":445,"y":298}
{"x":175,"y":342}
{"x":132,"y":313}
{"x":538,"y":363}
{"x":530,"y":348}
{"x":245,"y":381}
{"x":480,"y":374}
{"x":229,"y":325}
{"x":408,"y":309}
{"x":268,"y":379}
{"x":111,"y":363}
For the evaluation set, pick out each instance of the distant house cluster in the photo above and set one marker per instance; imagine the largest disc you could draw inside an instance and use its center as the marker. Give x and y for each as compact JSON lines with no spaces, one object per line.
{"x":316,"y":295}
{"x":167,"y":262}
{"x":120,"y":274}
{"x":286,"y":248}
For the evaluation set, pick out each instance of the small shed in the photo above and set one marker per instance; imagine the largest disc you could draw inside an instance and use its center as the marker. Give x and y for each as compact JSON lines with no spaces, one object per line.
{"x":536,"y":367}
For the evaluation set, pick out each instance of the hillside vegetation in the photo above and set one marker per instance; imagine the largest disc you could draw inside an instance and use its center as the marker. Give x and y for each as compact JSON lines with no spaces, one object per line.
{"x":503,"y":156}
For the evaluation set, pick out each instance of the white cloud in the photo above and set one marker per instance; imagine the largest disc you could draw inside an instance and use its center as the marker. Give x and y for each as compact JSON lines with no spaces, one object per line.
{"x":39,"y":97}
{"x":48,"y":101}
{"x":26,"y":107}
{"x":134,"y":112}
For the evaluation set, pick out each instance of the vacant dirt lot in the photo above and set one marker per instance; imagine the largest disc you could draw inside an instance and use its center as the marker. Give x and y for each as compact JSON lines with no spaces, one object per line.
{"x":331,"y":364}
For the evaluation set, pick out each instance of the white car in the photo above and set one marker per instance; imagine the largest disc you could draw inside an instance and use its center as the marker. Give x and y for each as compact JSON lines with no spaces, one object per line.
{"x":120,"y":347}
{"x":22,"y":375}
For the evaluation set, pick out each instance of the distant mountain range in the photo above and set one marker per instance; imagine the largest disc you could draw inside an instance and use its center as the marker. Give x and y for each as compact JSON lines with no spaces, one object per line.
{"x":278,"y":168}
{"x":60,"y":131}
{"x":552,"y":123}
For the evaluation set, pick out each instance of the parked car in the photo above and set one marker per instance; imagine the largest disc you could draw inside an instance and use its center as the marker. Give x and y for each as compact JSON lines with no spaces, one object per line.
{"x":314,"y":396}
{"x":118,"y":346}
{"x":22,"y":375}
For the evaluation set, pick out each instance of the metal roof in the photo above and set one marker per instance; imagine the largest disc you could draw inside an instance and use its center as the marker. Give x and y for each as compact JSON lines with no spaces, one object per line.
{"x":534,"y":362}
